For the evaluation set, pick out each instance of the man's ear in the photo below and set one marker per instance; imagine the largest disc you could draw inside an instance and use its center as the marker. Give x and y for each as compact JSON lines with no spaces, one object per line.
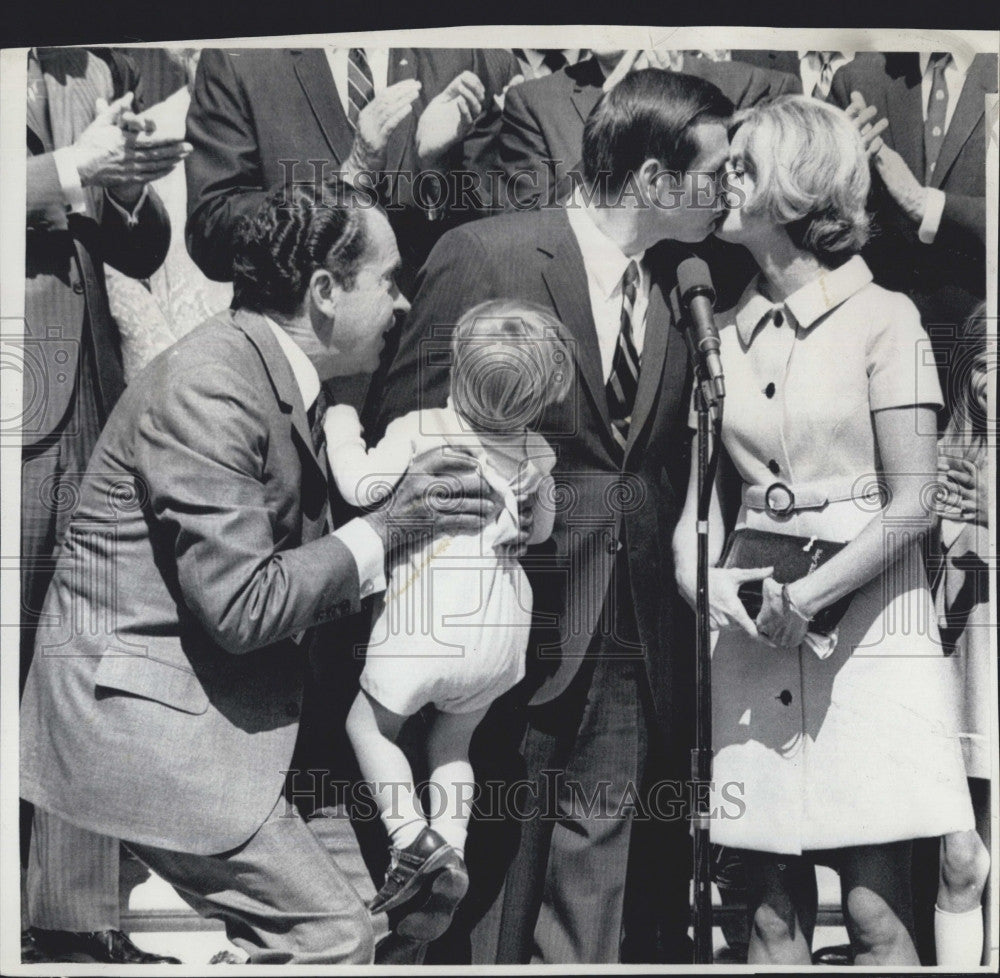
{"x":324,"y":292}
{"x":662,"y":185}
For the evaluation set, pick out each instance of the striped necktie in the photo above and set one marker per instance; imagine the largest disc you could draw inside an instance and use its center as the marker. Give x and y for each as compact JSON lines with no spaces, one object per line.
{"x":937,"y":113}
{"x":822,"y":88}
{"x":360,"y":84}
{"x":624,"y":380}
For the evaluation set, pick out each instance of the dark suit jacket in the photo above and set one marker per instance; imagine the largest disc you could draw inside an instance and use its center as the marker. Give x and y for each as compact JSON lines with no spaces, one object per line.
{"x":543,"y":119}
{"x":784,"y":61}
{"x":66,"y":302}
{"x":195,"y":556}
{"x":535,"y":257}
{"x":252,"y":109}
{"x":945,"y":279}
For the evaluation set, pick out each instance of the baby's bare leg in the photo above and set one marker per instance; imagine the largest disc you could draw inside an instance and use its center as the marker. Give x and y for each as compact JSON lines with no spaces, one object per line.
{"x":452,"y":778}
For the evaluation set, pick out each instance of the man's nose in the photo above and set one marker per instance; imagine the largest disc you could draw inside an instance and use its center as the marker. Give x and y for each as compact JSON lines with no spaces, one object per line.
{"x":401,"y":304}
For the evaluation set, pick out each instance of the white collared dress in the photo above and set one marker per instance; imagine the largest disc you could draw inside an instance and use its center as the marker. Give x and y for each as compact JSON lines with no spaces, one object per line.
{"x":859,"y":748}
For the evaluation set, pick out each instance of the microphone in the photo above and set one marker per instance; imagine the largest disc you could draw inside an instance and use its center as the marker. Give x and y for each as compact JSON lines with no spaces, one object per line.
{"x":697,"y":297}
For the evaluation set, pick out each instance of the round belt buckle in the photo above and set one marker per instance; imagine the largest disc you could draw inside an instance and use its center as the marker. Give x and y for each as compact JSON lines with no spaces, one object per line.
{"x":779,"y":500}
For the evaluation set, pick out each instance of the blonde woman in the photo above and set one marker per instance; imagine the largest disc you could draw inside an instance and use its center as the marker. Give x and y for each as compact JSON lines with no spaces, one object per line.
{"x":846,"y":756}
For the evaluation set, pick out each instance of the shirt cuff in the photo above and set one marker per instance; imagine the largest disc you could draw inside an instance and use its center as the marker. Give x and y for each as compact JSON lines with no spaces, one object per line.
{"x":131,"y":217}
{"x":69,"y":180}
{"x":369,"y":554}
{"x":933,"y":210}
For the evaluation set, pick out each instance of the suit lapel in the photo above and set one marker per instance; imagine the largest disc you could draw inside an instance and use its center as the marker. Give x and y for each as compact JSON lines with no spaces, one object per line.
{"x":659,"y":324}
{"x":566,"y":280}
{"x":587,"y":90}
{"x":906,"y":118}
{"x":313,"y":72}
{"x":970,"y":109}
{"x":402,"y":65}
{"x":283,"y":381}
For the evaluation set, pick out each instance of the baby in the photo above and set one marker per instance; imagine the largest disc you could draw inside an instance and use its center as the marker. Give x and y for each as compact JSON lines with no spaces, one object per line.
{"x":454,"y":628}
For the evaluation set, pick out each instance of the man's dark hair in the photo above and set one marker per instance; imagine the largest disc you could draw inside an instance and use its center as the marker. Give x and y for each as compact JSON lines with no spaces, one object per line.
{"x":297,"y":230}
{"x":648,"y":114}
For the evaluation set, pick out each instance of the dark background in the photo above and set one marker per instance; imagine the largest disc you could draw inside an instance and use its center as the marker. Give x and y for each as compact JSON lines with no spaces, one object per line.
{"x":51,"y":22}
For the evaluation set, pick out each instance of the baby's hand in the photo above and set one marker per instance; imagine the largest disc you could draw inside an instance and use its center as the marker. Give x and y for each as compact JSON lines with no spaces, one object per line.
{"x":341,"y":424}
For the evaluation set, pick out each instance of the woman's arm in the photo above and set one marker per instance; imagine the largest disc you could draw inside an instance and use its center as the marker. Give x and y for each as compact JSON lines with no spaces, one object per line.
{"x":725,"y":608}
{"x":909,"y":466}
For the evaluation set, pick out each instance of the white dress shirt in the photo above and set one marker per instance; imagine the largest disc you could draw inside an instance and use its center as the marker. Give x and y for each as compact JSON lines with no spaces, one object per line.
{"x":605,"y":264}
{"x":378,"y":61}
{"x":364,"y":543}
{"x":811,"y":67}
{"x":954,"y":78}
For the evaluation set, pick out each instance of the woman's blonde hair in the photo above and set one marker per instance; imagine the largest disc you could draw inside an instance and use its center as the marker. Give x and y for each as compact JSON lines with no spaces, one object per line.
{"x":811,"y":173}
{"x":510,"y":362}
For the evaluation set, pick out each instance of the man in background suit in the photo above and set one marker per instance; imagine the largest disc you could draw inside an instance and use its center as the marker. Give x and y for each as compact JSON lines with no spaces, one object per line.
{"x":89,"y":163}
{"x":394,"y":112}
{"x":598,"y":701}
{"x":543,"y":119}
{"x":928,"y":146}
{"x":815,"y":69}
{"x":202,"y":545}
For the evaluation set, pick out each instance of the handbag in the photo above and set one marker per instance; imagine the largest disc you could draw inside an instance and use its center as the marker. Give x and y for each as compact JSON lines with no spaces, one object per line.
{"x":792,"y":558}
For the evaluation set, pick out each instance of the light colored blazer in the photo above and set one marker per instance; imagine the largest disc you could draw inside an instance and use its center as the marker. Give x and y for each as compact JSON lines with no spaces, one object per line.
{"x":163,"y":701}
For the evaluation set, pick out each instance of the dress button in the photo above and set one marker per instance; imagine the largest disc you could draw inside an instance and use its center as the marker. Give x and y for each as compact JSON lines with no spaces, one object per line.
{"x":78,"y":288}
{"x":774,"y":467}
{"x":785,"y":696}
{"x":778,"y":318}
{"x":769,"y":390}
{"x":291,"y":710}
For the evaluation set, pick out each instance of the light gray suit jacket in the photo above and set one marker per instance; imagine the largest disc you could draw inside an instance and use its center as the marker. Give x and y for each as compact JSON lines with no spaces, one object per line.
{"x":163,"y":702}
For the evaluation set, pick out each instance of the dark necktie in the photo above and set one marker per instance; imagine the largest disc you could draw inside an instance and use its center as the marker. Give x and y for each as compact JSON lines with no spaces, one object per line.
{"x":315,"y":418}
{"x":554,"y":60}
{"x":360,"y":85}
{"x":624,"y":380}
{"x":937,"y":112}
{"x":38,"y":103}
{"x":822,"y":88}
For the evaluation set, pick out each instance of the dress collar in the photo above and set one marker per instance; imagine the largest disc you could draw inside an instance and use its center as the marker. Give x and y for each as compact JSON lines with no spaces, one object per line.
{"x":808,"y":304}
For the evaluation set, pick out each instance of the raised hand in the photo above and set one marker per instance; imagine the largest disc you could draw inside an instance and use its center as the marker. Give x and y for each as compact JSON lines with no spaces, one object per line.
{"x":115,"y":151}
{"x":449,"y":117}
{"x":378,"y":120}
{"x":862,"y":114}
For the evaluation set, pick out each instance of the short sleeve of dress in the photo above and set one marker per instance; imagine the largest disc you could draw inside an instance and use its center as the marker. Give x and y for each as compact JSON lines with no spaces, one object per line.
{"x":900,"y":361}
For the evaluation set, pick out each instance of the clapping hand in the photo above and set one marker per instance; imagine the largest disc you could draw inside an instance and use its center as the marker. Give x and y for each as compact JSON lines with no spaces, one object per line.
{"x":449,"y":117}
{"x":905,"y":188}
{"x":967,"y":497}
{"x":376,"y":123}
{"x":115,"y":151}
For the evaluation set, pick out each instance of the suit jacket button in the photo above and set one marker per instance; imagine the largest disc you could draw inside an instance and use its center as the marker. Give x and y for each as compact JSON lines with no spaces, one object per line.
{"x":614,"y":546}
{"x":291,"y":710}
{"x":78,"y":288}
{"x":785,"y":696}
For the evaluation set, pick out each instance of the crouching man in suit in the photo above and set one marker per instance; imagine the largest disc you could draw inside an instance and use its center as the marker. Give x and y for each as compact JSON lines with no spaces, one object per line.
{"x":163,"y":702}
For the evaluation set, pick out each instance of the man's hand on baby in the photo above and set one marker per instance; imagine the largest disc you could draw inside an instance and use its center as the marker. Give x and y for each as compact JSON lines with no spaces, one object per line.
{"x":442,"y":493}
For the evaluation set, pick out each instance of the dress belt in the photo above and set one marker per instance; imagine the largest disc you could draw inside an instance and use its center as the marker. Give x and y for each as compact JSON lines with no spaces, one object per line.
{"x":780,"y":499}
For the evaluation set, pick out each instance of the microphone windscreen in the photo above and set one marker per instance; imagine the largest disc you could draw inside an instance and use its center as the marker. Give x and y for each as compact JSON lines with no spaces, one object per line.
{"x":694,"y":278}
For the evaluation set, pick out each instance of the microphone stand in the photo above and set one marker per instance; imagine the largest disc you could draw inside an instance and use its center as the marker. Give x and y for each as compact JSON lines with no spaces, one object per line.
{"x":701,"y":755}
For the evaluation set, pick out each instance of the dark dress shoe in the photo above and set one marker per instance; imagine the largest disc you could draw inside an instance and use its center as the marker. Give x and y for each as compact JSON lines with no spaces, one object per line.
{"x":425,"y":883}
{"x":102,"y":946}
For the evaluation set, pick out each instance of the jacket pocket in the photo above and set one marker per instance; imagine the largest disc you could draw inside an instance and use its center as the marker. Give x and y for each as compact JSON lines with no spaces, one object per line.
{"x":152,"y":679}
